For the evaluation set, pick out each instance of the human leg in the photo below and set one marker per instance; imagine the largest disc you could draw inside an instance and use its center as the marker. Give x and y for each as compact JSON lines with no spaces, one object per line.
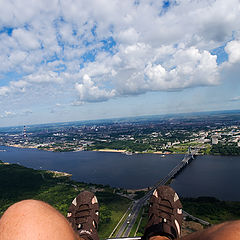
{"x":227,"y":230}
{"x":224,"y":231}
{"x":34,"y":220}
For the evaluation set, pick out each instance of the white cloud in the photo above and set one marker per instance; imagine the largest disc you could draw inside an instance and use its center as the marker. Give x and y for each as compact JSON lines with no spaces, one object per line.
{"x":91,"y":93}
{"x":128,"y":36}
{"x":44,"y":77}
{"x":17,"y":57}
{"x":7,"y":114}
{"x":14,"y":114}
{"x":77,"y":103}
{"x":26,"y":39}
{"x":185,"y":68}
{"x":62,"y":45}
{"x":18,"y":86}
{"x":235,"y":99}
{"x":4,"y":91}
{"x":233,"y":51}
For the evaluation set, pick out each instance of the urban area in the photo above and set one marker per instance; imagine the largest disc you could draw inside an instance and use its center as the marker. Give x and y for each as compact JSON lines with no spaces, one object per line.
{"x":217,"y":133}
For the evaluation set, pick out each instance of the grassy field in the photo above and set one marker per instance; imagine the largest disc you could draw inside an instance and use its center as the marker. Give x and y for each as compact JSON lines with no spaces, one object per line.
{"x":19,"y":183}
{"x":183,"y":148}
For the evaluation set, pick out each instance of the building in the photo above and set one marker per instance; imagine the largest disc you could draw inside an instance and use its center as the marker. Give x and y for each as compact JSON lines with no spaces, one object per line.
{"x":214,"y":140}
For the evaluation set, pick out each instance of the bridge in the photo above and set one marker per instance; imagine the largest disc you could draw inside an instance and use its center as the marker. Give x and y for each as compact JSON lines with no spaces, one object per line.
{"x":127,"y":225}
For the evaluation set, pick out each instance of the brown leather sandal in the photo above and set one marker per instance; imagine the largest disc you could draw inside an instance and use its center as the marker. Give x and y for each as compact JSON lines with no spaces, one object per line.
{"x":165,"y":214}
{"x":83,"y":214}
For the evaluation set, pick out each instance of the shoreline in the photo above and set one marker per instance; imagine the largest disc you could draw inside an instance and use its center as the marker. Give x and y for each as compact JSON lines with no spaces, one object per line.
{"x":94,"y":150}
{"x":129,"y":153}
{"x":20,"y":146}
{"x":108,"y":150}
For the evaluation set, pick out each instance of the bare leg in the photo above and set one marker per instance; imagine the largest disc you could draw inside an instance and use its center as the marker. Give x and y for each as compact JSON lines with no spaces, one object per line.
{"x":227,"y":230}
{"x":34,"y":220}
{"x":158,"y":238}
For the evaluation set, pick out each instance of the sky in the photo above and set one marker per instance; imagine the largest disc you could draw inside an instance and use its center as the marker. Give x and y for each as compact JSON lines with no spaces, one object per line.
{"x":72,"y":60}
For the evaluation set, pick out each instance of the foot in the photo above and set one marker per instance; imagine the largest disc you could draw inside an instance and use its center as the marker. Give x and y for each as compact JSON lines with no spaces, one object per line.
{"x":83,"y":214}
{"x":165,"y":214}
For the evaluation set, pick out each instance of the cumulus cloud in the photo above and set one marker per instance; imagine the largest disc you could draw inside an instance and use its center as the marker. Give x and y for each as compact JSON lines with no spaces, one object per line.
{"x":230,"y":69}
{"x":189,"y":67}
{"x":184,"y":68}
{"x":91,"y":93}
{"x":101,"y":49}
{"x":233,"y":51}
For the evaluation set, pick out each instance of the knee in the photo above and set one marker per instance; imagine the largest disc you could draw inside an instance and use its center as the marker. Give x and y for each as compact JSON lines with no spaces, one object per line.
{"x":232,"y":229}
{"x":26,"y":209}
{"x":23,"y":216}
{"x":25,"y":205}
{"x":30,"y":218}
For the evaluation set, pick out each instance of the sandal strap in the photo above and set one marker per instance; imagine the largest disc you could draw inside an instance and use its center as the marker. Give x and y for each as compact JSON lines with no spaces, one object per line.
{"x":161,"y":229}
{"x":165,"y":217}
{"x":83,"y":215}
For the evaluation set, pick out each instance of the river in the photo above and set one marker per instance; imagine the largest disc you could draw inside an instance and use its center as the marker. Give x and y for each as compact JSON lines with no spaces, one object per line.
{"x":206,"y":176}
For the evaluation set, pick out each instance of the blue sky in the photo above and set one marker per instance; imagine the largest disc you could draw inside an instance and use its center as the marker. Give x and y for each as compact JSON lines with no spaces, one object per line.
{"x":67,"y":60}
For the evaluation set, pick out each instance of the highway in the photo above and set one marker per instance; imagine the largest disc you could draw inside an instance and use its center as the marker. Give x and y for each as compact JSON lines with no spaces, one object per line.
{"x":196,"y":219}
{"x":127,"y":225}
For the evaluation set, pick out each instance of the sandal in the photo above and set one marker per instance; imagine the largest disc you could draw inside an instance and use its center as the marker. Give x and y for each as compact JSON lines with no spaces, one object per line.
{"x":83,"y":214}
{"x":165,"y":214}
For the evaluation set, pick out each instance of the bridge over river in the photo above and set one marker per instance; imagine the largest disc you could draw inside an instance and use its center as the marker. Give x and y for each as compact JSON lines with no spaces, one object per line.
{"x":127,"y":225}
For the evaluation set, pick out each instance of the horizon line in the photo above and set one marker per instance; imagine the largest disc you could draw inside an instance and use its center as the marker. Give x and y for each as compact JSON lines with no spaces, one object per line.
{"x":128,"y":117}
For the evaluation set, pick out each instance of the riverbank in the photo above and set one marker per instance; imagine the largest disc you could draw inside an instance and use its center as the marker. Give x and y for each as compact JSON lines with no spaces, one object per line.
{"x":130,"y":153}
{"x":20,"y":146}
{"x":109,"y":150}
{"x":127,"y":152}
{"x":79,"y":150}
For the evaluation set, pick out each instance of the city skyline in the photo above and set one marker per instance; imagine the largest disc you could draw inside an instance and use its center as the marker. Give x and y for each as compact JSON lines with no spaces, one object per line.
{"x":85,"y":60}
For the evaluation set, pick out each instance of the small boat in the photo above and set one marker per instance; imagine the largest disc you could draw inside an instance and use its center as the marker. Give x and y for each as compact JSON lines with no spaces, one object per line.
{"x":129,"y":153}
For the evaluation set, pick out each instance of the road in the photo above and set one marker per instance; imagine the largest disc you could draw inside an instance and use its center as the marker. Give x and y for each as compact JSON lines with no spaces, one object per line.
{"x":196,"y":219}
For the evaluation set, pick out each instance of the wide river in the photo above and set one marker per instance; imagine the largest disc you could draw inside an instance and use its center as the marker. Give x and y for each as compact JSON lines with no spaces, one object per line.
{"x":216,"y":176}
